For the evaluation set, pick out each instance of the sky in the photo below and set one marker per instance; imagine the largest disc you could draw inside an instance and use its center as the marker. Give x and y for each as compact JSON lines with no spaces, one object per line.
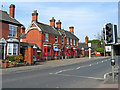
{"x":88,"y":18}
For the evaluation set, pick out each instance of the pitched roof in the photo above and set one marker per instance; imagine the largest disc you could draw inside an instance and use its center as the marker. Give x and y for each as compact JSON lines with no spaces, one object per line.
{"x":4,"y":17}
{"x":69,"y":34}
{"x":48,"y":29}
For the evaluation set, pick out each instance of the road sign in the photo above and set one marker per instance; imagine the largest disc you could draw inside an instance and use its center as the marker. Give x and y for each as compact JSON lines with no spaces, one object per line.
{"x":108,"y":48}
{"x":56,"y":49}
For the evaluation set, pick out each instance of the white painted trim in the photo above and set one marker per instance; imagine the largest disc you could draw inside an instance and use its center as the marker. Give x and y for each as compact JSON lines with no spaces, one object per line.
{"x":29,"y":28}
{"x":4,"y":51}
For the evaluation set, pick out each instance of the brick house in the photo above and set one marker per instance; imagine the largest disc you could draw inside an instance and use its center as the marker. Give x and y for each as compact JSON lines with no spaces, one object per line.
{"x":51,"y":40}
{"x":44,"y":36}
{"x":10,"y":33}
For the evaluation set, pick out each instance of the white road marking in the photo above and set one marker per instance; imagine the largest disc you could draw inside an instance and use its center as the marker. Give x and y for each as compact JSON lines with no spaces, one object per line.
{"x":82,"y":76}
{"x":78,"y":68}
{"x":90,"y":65}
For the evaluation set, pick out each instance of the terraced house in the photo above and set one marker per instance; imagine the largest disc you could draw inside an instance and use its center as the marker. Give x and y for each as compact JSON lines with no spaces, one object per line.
{"x":53,"y":42}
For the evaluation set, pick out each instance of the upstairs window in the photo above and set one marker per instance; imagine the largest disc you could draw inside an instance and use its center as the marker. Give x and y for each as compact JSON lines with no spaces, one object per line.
{"x":67,"y":40}
{"x":46,"y":37}
{"x":77,"y":43}
{"x":12,"y":30}
{"x":74,"y":42}
{"x":70,"y":41}
{"x":56,"y":39}
{"x":62,"y":40}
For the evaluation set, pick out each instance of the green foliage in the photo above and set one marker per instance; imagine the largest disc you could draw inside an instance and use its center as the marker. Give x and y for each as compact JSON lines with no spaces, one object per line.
{"x":100,"y":49}
{"x":18,"y":58}
{"x":10,"y":58}
{"x":15,"y":59}
{"x":94,"y":41}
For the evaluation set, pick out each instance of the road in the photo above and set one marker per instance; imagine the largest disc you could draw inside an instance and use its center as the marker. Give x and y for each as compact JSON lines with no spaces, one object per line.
{"x":88,"y":74}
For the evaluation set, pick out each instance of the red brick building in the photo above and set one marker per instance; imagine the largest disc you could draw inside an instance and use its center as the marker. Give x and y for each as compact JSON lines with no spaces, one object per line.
{"x":53,"y":42}
{"x":9,"y":33}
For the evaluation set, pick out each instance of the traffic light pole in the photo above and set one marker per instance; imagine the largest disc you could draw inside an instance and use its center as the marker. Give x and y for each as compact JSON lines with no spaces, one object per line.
{"x":112,"y":54}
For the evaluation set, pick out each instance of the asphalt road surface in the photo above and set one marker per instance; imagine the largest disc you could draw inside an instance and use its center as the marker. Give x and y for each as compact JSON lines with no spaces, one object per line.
{"x":80,"y":75}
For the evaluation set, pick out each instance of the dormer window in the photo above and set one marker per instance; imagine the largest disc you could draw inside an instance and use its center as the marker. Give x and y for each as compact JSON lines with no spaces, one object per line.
{"x":12,"y":30}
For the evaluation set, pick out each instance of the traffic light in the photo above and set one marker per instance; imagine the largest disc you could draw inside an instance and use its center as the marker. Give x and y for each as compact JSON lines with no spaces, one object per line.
{"x":113,"y":62}
{"x":109,"y":33}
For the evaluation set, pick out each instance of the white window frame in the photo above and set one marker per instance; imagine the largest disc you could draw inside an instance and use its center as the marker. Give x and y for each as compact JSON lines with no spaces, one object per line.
{"x":62,"y":40}
{"x":46,"y":37}
{"x":12,"y":29}
{"x":10,"y":46}
{"x":70,"y":41}
{"x":67,"y":40}
{"x":56,"y":39}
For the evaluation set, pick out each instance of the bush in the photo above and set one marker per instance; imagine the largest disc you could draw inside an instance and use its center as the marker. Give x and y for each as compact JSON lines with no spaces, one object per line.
{"x":16,"y":59}
{"x":10,"y":58}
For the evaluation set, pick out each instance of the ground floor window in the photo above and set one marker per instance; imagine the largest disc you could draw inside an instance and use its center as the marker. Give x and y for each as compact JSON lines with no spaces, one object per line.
{"x":48,"y":51}
{"x":12,"y":49}
{"x":38,"y":53}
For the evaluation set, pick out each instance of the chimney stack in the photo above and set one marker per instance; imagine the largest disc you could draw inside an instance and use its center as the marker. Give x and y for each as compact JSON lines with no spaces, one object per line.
{"x":12,"y":10}
{"x":86,"y":39}
{"x":22,"y":29}
{"x":58,"y":25}
{"x":34,"y":16}
{"x":71,"y":29}
{"x":52,"y":22}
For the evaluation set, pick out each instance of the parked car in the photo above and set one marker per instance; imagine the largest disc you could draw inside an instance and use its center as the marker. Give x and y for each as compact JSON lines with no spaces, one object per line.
{"x":93,"y":54}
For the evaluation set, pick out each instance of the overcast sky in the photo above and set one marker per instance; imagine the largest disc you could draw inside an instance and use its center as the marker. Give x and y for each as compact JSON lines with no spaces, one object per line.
{"x":88,"y":18}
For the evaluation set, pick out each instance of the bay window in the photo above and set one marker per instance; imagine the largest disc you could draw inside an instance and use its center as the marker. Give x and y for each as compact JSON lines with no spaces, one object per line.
{"x":12,"y":49}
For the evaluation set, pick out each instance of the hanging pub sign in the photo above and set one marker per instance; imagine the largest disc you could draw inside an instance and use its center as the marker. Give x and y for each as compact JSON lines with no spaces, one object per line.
{"x":56,"y":49}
